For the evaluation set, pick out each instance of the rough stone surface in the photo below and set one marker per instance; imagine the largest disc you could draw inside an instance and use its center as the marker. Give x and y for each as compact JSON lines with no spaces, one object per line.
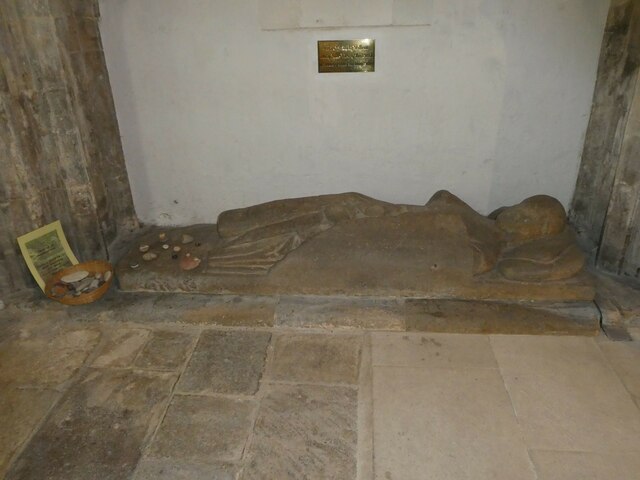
{"x":99,"y":429}
{"x":226,"y":362}
{"x":165,"y":351}
{"x":304,"y":432}
{"x":458,"y":316}
{"x":331,"y":312}
{"x":204,"y":430}
{"x":316,"y":358}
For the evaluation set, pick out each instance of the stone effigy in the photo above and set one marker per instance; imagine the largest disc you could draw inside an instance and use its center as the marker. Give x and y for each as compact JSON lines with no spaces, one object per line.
{"x":529,"y":241}
{"x":352,"y":244}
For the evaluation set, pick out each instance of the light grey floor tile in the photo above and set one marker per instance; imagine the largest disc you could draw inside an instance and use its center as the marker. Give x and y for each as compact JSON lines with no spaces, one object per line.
{"x":554,"y":465}
{"x":565,"y":395}
{"x":432,"y":350}
{"x":445,"y":424}
{"x":624,"y":358}
{"x":545,"y":354}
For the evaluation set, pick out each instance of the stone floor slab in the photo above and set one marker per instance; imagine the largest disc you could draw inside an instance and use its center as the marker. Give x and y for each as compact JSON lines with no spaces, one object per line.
{"x":45,"y":354}
{"x":331,"y":312}
{"x":445,"y":424}
{"x":460,"y":316}
{"x":624,"y":358}
{"x":21,"y":410}
{"x":165,"y":350}
{"x":121,"y":348}
{"x":432,"y":350}
{"x":565,"y":395}
{"x":156,"y":469}
{"x":311,"y":358}
{"x":206,"y":430}
{"x":229,"y":362}
{"x":99,"y":429}
{"x":553,"y":465}
{"x":304,"y":432}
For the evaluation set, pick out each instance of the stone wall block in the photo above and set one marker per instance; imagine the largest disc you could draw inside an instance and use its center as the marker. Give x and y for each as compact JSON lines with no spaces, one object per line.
{"x":33,"y":8}
{"x":79,"y":8}
{"x":67,"y":34}
{"x":14,"y":56}
{"x":40,"y":35}
{"x":60,"y":152}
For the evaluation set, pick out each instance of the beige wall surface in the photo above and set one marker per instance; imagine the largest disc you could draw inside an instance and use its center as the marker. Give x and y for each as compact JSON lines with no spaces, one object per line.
{"x":220,"y":104}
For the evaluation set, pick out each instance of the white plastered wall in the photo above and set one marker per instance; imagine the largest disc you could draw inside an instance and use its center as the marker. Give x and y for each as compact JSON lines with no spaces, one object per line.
{"x":220,"y":104}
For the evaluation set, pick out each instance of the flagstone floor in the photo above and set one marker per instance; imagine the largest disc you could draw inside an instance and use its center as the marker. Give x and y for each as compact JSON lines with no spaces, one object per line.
{"x":133,"y":393}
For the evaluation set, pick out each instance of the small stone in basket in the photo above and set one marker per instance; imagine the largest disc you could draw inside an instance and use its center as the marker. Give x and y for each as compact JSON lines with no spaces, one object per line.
{"x":78,"y":283}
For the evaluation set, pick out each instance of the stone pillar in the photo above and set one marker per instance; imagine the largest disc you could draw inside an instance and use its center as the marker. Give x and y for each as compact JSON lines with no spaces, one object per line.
{"x":606,"y":204}
{"x":60,"y":151}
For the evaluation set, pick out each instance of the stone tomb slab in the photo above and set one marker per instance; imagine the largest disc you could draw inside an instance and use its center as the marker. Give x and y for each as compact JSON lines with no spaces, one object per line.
{"x":335,"y":263}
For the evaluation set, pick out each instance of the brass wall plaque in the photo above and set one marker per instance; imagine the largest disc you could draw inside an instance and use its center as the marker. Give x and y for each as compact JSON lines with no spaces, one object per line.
{"x":346,"y":56}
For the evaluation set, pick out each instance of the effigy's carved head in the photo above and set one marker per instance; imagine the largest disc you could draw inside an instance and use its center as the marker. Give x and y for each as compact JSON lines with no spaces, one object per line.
{"x":535,"y":217}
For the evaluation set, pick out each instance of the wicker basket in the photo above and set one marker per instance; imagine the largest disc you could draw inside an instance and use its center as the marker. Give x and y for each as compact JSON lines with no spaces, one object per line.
{"x":95,"y":266}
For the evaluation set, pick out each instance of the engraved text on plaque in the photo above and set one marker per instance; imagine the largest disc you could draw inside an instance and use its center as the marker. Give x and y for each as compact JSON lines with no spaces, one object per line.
{"x":346,"y":55}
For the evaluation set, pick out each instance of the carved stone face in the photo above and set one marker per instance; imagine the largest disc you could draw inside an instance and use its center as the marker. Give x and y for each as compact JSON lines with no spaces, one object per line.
{"x":533,"y":218}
